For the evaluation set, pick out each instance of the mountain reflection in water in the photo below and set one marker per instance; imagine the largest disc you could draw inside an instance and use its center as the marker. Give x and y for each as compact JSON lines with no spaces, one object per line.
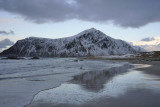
{"x":95,"y":80}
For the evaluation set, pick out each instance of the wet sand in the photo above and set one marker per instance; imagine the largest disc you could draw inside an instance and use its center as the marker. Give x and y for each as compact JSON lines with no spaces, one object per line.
{"x":139,"y":98}
{"x":144,"y":98}
{"x":146,"y":95}
{"x":21,"y":80}
{"x":154,"y":69}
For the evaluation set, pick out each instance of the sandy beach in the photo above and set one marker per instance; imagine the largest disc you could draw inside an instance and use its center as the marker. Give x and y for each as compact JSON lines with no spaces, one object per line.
{"x":21,"y":89}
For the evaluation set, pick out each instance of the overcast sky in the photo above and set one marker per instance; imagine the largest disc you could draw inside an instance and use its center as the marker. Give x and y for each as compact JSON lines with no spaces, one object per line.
{"x":121,"y":19}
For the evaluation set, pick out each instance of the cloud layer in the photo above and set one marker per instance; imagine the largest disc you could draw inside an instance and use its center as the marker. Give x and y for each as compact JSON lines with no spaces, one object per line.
{"x":5,"y":43}
{"x":151,"y":39}
{"x":2,"y":32}
{"x":126,"y":13}
{"x":149,"y":43}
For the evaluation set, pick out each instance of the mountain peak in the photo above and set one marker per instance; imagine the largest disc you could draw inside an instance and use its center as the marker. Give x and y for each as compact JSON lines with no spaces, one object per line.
{"x":90,"y":30}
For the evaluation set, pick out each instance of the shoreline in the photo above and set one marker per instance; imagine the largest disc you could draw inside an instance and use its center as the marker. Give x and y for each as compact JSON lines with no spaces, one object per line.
{"x":154,"y":69}
{"x":66,"y":77}
{"x":20,"y":91}
{"x":135,"y":68}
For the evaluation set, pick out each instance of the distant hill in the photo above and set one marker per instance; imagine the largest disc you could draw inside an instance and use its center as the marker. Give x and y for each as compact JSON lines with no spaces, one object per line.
{"x":90,"y":42}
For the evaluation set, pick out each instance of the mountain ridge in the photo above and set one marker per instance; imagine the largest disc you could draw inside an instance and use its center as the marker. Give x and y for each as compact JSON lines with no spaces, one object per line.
{"x":90,"y":42}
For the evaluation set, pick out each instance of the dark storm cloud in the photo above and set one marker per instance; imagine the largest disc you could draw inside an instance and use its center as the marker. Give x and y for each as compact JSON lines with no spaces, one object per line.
{"x":127,"y":13}
{"x":7,"y":33}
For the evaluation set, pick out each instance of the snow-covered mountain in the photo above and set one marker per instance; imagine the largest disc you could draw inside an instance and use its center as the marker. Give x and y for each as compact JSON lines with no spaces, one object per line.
{"x":90,"y":42}
{"x":5,"y":44}
{"x":149,"y":44}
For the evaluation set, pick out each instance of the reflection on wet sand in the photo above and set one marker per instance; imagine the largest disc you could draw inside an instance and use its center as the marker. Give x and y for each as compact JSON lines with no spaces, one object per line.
{"x":101,"y":88}
{"x":95,"y":80}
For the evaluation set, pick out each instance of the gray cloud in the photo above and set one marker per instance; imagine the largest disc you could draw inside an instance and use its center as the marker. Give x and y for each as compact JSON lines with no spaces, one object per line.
{"x":5,"y":43}
{"x":150,"y":39}
{"x":126,"y":13}
{"x":7,"y":33}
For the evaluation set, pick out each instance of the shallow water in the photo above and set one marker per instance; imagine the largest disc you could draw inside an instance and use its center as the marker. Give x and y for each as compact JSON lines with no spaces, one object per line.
{"x":116,"y":87}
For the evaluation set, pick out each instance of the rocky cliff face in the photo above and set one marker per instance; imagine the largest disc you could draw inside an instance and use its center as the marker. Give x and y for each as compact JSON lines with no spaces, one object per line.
{"x":90,"y":42}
